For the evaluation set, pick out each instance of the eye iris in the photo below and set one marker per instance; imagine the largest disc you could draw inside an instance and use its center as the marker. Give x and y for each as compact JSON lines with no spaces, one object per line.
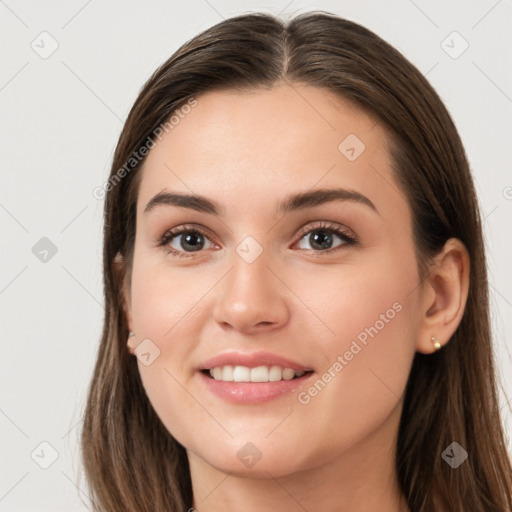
{"x":319,"y":238}
{"x":193,"y":240}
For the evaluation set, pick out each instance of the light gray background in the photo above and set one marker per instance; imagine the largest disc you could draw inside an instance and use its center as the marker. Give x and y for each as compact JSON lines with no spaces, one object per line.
{"x":61,"y":117}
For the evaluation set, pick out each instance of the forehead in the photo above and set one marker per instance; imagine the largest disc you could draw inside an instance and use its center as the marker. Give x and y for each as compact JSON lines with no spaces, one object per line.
{"x":264,"y":142}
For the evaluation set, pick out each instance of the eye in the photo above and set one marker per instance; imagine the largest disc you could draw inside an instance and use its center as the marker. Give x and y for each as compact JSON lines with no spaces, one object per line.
{"x":184,"y":241}
{"x":321,"y":237}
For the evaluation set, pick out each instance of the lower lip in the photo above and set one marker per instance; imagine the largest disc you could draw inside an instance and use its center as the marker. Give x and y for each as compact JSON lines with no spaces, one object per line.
{"x":252,"y":392}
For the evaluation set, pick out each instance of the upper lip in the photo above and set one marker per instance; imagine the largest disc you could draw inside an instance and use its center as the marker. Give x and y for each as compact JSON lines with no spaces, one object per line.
{"x":251,"y":360}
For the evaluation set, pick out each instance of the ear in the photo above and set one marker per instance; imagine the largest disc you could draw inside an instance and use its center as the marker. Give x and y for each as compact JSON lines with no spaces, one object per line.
{"x":445,"y":295}
{"x":122,"y":276}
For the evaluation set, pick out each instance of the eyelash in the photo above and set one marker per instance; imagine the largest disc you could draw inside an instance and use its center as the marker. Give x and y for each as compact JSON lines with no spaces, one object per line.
{"x":328,"y":227}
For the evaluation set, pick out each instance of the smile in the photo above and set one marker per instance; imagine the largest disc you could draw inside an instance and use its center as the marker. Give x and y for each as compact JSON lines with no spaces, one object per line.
{"x":252,"y":377}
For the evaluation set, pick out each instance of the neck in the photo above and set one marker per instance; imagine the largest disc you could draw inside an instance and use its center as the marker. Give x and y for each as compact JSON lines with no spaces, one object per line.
{"x":361,"y":479}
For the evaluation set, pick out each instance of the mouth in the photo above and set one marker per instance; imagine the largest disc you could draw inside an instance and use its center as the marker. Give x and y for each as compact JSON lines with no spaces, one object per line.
{"x":250,"y":386}
{"x":252,"y":378}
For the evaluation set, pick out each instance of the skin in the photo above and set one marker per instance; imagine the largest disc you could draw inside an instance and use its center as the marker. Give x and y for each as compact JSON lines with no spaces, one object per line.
{"x":247,"y":151}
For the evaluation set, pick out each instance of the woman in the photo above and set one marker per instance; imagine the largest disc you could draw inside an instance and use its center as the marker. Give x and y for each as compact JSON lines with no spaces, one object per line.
{"x":295,"y":282}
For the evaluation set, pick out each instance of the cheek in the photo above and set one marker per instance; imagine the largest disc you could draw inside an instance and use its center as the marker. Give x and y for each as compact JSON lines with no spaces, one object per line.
{"x":371,"y":301}
{"x":169,"y":307}
{"x":163,"y":300}
{"x":361,"y":386}
{"x":163,"y":312}
{"x":373,"y":315}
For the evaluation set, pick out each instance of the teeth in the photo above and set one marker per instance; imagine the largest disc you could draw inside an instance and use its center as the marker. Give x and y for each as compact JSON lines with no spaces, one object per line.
{"x":241,"y":374}
{"x":274,"y":373}
{"x":226,"y":373}
{"x":259,"y":374}
{"x":288,"y":374}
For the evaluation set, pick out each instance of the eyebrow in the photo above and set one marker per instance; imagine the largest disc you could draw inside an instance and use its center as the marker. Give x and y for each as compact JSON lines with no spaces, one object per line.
{"x":292,"y":202}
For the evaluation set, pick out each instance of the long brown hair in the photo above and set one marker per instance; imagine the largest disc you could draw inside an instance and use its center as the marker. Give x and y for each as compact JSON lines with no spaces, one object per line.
{"x":131,"y":461}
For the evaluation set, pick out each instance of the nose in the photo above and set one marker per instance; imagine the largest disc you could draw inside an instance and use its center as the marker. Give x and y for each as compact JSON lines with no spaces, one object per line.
{"x":251,"y":298}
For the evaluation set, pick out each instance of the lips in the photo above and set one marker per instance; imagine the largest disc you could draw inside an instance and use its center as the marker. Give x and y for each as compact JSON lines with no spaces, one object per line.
{"x":253,"y":378}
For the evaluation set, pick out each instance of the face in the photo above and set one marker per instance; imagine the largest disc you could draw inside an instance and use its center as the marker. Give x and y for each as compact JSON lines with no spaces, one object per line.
{"x":321,"y":288}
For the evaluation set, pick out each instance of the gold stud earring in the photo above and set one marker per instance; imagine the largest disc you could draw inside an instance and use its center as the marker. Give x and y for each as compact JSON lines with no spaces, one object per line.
{"x":436,"y":343}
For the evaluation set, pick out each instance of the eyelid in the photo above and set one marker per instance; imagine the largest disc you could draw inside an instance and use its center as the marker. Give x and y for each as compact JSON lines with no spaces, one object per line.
{"x":327,"y":226}
{"x":185,"y":228}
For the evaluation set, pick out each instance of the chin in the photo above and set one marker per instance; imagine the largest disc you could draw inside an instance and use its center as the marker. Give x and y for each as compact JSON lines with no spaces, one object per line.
{"x":256,"y":460}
